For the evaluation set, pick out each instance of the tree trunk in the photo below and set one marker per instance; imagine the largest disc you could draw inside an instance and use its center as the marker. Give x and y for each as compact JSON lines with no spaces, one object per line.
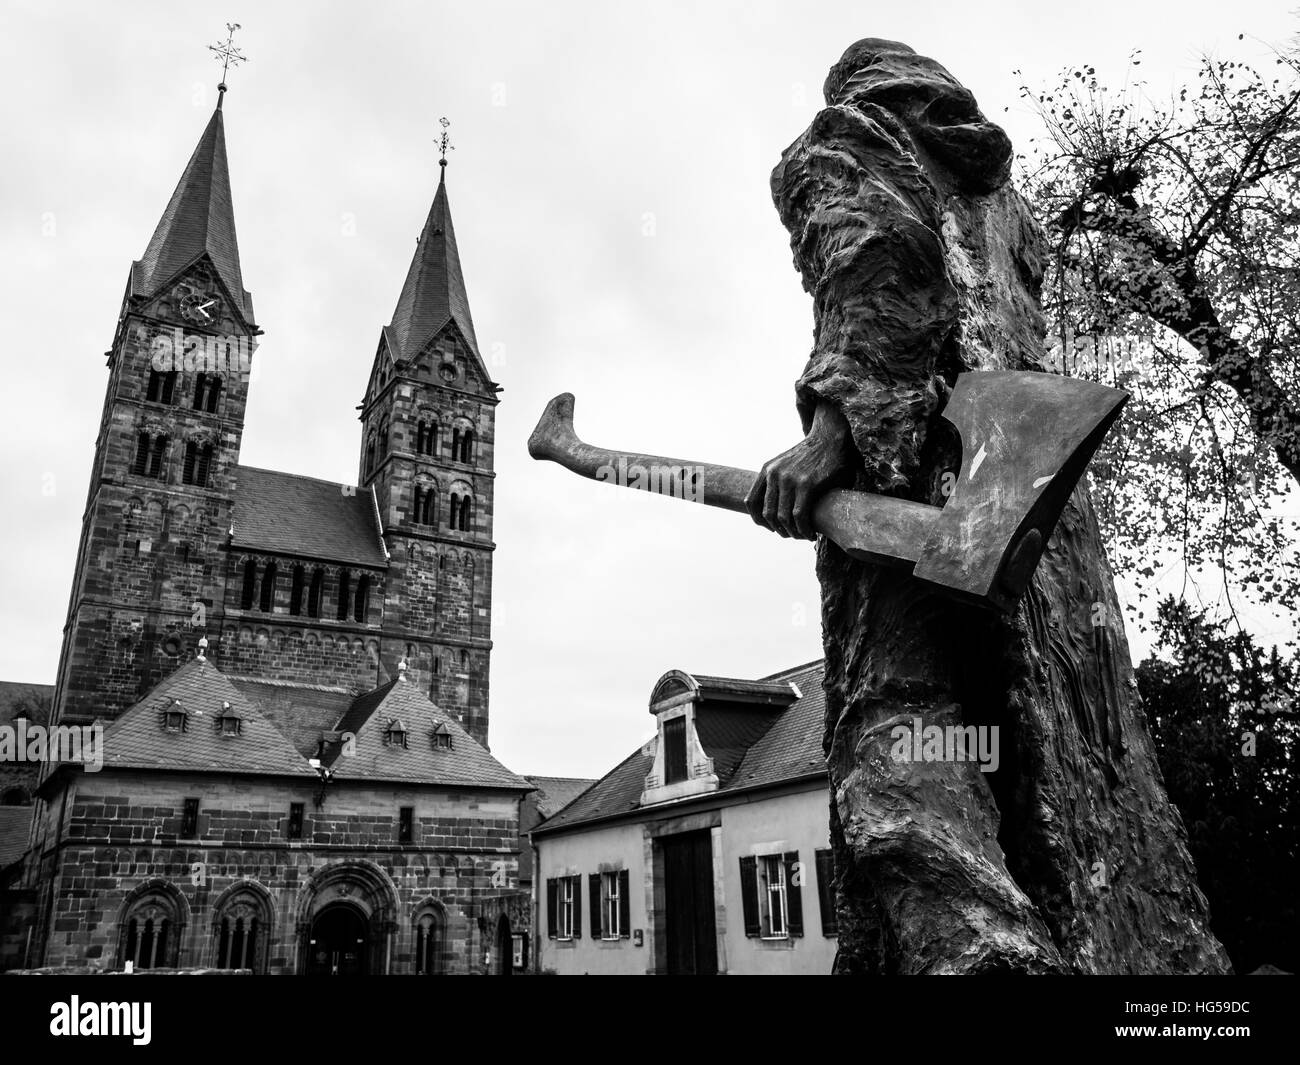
{"x":1067,"y":857}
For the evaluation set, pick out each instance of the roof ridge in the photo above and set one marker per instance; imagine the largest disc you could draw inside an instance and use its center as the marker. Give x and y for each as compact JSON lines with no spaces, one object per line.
{"x":298,"y":476}
{"x":785,"y":674}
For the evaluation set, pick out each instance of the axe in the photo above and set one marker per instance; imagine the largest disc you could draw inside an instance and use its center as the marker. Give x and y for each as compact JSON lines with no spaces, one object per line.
{"x":1026,"y":440}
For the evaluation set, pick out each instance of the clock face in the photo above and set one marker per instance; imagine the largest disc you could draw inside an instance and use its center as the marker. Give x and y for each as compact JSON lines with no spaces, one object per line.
{"x":200,"y":307}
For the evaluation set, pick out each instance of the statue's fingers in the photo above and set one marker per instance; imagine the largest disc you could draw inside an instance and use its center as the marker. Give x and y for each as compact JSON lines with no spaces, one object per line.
{"x":772,"y":507}
{"x":802,"y":513}
{"x":755,"y":500}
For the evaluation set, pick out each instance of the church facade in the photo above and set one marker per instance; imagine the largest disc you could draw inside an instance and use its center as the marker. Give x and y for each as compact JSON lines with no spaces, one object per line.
{"x":291,"y":674}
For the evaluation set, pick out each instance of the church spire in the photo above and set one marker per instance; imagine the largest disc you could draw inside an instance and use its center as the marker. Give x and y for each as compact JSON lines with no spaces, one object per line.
{"x":434,"y":292}
{"x":200,"y":217}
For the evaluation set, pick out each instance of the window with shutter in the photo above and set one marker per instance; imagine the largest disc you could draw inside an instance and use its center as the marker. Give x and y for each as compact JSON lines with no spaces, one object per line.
{"x":593,"y":891}
{"x":551,"y":907}
{"x":749,"y":894}
{"x":575,"y":893}
{"x":624,"y":905}
{"x":794,"y":875}
{"x":826,"y":892}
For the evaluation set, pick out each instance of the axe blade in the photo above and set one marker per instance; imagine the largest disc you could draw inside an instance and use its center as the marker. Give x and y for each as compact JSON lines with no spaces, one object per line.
{"x":1026,"y":439}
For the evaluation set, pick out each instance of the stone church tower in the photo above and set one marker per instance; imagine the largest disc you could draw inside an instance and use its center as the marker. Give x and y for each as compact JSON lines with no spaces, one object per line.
{"x":293,"y":582}
{"x":152,"y":558}
{"x":426,"y":451}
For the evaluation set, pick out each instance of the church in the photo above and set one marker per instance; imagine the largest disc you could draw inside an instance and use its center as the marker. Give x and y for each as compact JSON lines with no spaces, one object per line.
{"x":291,"y":675}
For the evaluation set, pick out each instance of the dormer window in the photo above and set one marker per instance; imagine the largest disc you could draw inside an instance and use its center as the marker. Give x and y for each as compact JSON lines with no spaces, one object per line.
{"x":174,"y":717}
{"x":229,"y":723}
{"x":441,"y":737}
{"x":675,"y":767}
{"x":395,"y":734}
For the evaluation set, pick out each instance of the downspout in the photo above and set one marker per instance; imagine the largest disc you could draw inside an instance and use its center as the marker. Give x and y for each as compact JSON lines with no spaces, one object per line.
{"x":538,"y":938}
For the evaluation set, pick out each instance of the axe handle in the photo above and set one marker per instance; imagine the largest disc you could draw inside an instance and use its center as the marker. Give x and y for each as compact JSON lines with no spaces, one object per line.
{"x":871,"y":528}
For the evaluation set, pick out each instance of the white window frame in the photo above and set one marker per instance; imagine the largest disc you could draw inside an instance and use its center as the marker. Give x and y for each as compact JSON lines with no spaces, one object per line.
{"x":609,"y":907}
{"x":773,"y":898}
{"x":564,"y":889}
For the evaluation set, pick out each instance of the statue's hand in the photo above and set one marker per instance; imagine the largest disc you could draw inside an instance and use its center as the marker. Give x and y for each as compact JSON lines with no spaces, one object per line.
{"x":789,"y":485}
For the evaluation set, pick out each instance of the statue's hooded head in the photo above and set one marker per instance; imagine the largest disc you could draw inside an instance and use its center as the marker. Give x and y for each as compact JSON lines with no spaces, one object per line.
{"x":939,"y":112}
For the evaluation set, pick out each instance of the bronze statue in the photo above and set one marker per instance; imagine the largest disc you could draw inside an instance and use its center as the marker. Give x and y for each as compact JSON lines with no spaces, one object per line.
{"x":1060,"y":853}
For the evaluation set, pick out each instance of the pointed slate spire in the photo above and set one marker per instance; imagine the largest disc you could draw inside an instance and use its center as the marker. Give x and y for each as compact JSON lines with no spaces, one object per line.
{"x":434,"y":292}
{"x":199,"y":219}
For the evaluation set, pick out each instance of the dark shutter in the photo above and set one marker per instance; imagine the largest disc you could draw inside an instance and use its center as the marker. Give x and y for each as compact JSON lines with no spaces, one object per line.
{"x":550,"y":908}
{"x":749,"y":894}
{"x":793,"y":893}
{"x":826,"y":892}
{"x":577,"y":906}
{"x":624,"y":905}
{"x":593,"y":886}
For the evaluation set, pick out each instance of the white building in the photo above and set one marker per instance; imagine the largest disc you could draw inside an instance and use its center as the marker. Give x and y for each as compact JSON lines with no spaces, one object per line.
{"x":706,"y":851}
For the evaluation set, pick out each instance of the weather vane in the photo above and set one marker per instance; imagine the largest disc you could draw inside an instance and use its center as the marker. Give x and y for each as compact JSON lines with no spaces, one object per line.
{"x":229,"y":56}
{"x":444,"y":142}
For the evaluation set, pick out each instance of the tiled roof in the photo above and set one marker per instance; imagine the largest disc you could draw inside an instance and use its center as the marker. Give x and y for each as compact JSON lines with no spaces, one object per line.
{"x":555,"y":793}
{"x":294,"y":515}
{"x":15,"y":823}
{"x":199,"y":218}
{"x":138,"y":740}
{"x":434,"y":291}
{"x":464,"y":764}
{"x":767,"y":749}
{"x":37,"y":698}
{"x":300,"y":711}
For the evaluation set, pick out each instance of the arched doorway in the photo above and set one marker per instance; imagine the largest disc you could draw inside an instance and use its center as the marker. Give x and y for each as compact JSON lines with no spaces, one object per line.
{"x":338,"y":943}
{"x":342,"y":903}
{"x":505,"y":947}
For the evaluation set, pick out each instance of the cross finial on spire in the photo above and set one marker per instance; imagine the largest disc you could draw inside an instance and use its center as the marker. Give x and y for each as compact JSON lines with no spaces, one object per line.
{"x":444,"y":143}
{"x":229,"y":56}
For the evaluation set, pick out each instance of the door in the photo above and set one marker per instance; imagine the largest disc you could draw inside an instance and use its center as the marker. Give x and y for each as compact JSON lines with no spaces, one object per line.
{"x":505,"y":947}
{"x":692,"y":946}
{"x":337,"y":943}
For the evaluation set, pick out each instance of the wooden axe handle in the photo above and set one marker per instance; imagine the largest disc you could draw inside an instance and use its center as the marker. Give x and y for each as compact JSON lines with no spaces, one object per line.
{"x":869,"y":527}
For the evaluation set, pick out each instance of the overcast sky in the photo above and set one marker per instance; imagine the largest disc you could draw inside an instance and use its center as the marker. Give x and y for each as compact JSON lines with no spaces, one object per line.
{"x":610,"y":193}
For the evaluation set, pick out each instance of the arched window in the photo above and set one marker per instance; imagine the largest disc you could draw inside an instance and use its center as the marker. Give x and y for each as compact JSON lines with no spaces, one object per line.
{"x":162,"y":386}
{"x":455,"y":442}
{"x":295,"y":591}
{"x":268,"y":588}
{"x":250,"y":585}
{"x":383,"y":438}
{"x":198,"y":460}
{"x":361,"y":599}
{"x":207,"y":387}
{"x":142,"y":446}
{"x":14,"y":797}
{"x":466,"y":446}
{"x":156,"y":456}
{"x":370,"y":455}
{"x":460,"y":508}
{"x":427,"y":438}
{"x":345,"y":591}
{"x":314,"y":593}
{"x":464,"y":660}
{"x":428,"y":942}
{"x":240,"y":932}
{"x":429,"y":507}
{"x":150,"y":935}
